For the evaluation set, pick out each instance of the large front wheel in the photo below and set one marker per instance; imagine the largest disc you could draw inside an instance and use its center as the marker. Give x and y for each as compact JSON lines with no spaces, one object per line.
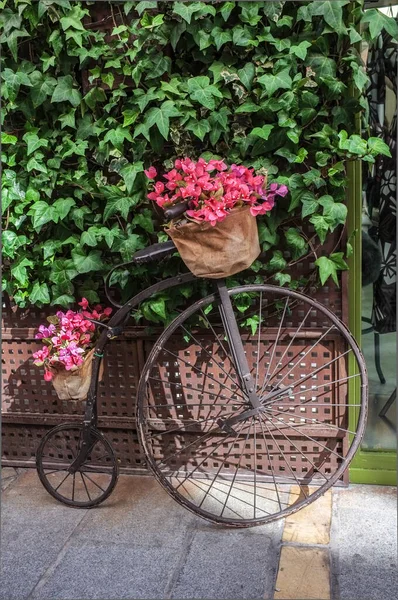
{"x":310,"y":378}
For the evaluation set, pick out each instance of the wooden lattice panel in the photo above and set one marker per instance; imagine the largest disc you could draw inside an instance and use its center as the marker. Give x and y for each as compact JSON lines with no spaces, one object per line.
{"x":26,"y":391}
{"x":276,"y":456}
{"x":193,"y":386}
{"x":20,"y":442}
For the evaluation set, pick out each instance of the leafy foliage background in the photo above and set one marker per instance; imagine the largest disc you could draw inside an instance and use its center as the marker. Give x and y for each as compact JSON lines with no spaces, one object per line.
{"x":88,"y":105}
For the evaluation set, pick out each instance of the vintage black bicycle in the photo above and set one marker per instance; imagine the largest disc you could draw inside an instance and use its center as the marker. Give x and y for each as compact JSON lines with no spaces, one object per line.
{"x":243,"y":405}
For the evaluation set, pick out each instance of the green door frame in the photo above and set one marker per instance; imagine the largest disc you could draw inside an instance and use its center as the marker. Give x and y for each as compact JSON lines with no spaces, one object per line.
{"x":375,"y":467}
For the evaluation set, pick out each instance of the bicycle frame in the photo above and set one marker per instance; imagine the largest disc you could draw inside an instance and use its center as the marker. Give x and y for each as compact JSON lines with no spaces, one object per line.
{"x":229,"y":322}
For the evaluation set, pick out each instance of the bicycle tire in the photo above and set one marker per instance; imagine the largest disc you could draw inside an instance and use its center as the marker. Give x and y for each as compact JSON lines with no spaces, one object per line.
{"x":167,"y":374}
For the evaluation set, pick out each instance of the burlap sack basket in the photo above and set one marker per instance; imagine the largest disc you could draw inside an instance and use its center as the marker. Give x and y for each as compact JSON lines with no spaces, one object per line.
{"x":221,"y":250}
{"x":74,"y":384}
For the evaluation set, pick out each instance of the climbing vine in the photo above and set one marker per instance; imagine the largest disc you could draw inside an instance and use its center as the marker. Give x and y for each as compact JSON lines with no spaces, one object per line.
{"x":95,"y":92}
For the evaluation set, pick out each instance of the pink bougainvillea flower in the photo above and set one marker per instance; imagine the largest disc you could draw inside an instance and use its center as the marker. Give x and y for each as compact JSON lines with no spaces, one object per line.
{"x":48,"y":375}
{"x":151,"y":172}
{"x":83,"y":303}
{"x":213,"y":189}
{"x":67,"y":341}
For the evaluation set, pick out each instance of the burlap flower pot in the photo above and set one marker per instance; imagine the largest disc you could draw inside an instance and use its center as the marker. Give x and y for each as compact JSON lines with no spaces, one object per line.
{"x":74,"y":384}
{"x":221,"y":250}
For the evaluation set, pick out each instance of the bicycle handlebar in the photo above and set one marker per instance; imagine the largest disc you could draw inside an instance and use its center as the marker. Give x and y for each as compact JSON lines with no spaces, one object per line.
{"x":175,"y":211}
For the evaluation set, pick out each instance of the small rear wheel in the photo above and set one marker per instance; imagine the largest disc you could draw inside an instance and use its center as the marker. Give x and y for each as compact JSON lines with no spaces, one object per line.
{"x":216,"y":455}
{"x":92,"y":482}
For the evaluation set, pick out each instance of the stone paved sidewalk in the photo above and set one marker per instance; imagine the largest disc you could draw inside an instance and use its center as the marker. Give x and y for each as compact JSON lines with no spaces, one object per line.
{"x":141,"y":544}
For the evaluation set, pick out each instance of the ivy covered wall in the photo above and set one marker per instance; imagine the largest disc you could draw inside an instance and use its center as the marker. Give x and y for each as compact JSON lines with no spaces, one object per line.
{"x":94,"y":92}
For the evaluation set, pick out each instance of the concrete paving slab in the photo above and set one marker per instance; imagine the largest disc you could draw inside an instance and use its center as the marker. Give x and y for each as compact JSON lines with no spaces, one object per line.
{"x":139,"y":512}
{"x":8,"y":476}
{"x":229,"y":564}
{"x":98,"y":570}
{"x":34,"y":530}
{"x":364,"y":542}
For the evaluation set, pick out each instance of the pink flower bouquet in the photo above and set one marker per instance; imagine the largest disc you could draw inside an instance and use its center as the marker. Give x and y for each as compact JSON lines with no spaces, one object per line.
{"x":217,"y":234}
{"x":68,"y":338}
{"x":213,"y":189}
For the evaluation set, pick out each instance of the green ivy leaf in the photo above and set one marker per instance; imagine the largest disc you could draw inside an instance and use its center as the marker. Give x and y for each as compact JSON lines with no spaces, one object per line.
{"x":186,"y":10}
{"x":247,"y":107}
{"x":377,"y":146}
{"x":332,"y":12}
{"x":145,"y":220}
{"x":321,"y":225}
{"x":33,"y":142}
{"x":14,"y":80}
{"x":272,"y":83}
{"x":96,"y":94}
{"x":73,"y":19}
{"x":199,"y":128}
{"x":65,"y":92}
{"x":40,"y":293}
{"x":117,"y":202}
{"x":328,"y":267}
{"x":129,"y":173}
{"x":300,"y":49}
{"x":282,"y":278}
{"x":295,"y":242}
{"x":117,"y":136}
{"x":379,"y":21}
{"x":262,"y":132}
{"x":246,"y":75}
{"x":19,"y":271}
{"x":200,"y":89}
{"x":85,"y":263}
{"x":34,"y":165}
{"x":226,"y":9}
{"x":161,"y":117}
{"x":221,"y":36}
{"x":277,"y":262}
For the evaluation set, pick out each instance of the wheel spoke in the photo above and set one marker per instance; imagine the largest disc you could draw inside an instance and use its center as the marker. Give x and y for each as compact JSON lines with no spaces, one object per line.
{"x":290,"y":343}
{"x":58,"y":486}
{"x":195,"y":422}
{"x":313,"y":440}
{"x":274,"y":347}
{"x":73,"y":487}
{"x":187,"y":332}
{"x":300,"y":381}
{"x":190,"y":389}
{"x":236,"y":469}
{"x":92,"y":481}
{"x":222,"y":441}
{"x":312,"y":420}
{"x":57,"y":471}
{"x":270,"y":464}
{"x":283,"y":455}
{"x":306,"y":354}
{"x":205,"y":374}
{"x":322,"y":385}
{"x":300,"y":452}
{"x":218,"y":339}
{"x":87,"y":492}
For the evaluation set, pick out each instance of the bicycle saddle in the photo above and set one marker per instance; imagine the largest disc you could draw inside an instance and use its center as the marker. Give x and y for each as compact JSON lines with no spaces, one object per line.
{"x":154,"y":252}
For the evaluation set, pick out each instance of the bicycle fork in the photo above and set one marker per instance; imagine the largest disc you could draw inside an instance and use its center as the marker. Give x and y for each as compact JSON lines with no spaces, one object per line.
{"x":236,"y":345}
{"x":240,"y":360}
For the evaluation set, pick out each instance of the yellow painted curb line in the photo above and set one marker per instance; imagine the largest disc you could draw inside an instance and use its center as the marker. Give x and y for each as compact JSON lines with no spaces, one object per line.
{"x":304,"y":569}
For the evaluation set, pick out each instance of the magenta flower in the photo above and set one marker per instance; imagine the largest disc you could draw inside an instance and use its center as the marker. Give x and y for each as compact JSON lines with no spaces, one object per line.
{"x":67,"y":342}
{"x":151,"y":173}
